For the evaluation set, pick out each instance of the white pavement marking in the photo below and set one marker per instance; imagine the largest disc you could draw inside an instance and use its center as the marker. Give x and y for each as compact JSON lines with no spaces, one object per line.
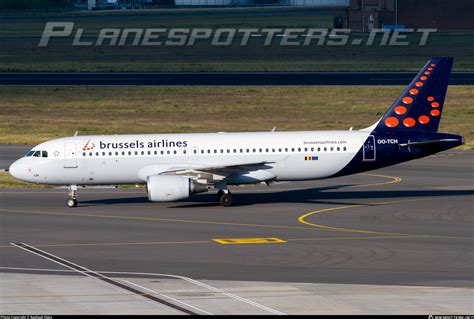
{"x":193,"y":281}
{"x":165,"y":296}
{"x":87,"y":270}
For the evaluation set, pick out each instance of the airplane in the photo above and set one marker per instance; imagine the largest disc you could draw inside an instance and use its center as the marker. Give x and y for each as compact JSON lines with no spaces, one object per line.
{"x":174,"y":166}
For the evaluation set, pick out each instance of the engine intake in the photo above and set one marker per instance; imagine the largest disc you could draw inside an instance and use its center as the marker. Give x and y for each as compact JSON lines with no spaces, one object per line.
{"x":167,"y":188}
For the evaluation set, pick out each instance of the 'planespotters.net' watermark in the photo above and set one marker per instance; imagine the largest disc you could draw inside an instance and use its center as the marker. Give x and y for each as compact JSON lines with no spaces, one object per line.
{"x":230,"y":36}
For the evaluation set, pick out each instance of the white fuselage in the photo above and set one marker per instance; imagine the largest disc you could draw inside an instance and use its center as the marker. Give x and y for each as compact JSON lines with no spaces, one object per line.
{"x":117,"y":159}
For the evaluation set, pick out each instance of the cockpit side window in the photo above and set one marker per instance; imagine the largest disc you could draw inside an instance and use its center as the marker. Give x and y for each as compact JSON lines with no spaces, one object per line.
{"x":44,"y":154}
{"x":37,"y":154}
{"x":30,"y":153}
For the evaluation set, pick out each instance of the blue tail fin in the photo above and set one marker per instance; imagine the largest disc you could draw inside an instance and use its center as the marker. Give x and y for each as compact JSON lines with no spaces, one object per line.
{"x":420,"y":105}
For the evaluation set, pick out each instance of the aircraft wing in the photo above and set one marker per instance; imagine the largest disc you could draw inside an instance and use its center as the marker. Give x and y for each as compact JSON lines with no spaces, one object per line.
{"x":222,"y":170}
{"x":259,"y":171}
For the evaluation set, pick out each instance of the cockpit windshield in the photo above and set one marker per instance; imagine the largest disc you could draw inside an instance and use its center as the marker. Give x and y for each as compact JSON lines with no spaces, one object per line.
{"x":36,"y":153}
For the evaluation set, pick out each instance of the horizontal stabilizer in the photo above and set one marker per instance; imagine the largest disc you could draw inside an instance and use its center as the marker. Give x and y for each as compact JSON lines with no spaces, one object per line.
{"x":428,"y":143}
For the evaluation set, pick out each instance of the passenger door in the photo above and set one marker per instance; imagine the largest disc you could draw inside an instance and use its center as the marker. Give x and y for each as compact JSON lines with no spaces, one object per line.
{"x":70,"y":156}
{"x":369,"y":149}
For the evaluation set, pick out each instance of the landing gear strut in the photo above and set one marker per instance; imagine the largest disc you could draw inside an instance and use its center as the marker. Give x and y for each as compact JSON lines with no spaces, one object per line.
{"x":72,"y":200}
{"x":224,"y":197}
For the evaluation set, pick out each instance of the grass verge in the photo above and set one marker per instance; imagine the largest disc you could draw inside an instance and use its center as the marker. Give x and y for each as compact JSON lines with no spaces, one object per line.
{"x":8,"y":181}
{"x":30,"y":115}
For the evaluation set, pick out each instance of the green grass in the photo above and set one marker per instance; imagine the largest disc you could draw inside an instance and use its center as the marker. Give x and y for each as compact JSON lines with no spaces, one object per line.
{"x":8,"y":181}
{"x":20,"y":52}
{"x":32,"y":115}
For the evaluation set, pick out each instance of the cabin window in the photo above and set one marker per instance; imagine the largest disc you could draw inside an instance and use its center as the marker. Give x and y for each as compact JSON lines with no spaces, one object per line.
{"x":338,"y":149}
{"x":162,"y":152}
{"x":174,"y":152}
{"x":345,"y":148}
{"x":168,"y":152}
{"x":299,"y":149}
{"x":84,"y":154}
{"x":332,"y":149}
{"x":222,"y":151}
{"x":312,"y":149}
{"x":184,"y":151}
{"x":123,"y":153}
{"x":228,"y":151}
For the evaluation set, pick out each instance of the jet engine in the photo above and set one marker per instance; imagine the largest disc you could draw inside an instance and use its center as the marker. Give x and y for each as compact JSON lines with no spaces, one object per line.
{"x":167,"y":188}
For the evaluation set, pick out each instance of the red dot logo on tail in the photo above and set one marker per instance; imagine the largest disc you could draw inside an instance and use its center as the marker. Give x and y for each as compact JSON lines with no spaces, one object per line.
{"x":400,"y":110}
{"x":391,"y":121}
{"x":424,"y":119}
{"x":409,"y":122}
{"x":407,"y":100}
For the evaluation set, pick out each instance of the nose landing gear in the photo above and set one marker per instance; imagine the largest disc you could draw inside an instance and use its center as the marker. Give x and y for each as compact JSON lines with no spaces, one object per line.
{"x":72,"y":200}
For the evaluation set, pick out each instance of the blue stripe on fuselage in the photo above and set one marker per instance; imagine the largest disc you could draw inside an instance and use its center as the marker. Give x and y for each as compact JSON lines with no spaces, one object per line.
{"x":388,"y":152}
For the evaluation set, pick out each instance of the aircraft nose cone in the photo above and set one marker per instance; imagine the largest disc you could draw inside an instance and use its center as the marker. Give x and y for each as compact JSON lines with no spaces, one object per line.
{"x":17,"y":170}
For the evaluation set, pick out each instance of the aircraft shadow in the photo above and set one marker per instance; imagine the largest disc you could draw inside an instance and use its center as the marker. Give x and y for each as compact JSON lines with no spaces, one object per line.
{"x":319,"y":195}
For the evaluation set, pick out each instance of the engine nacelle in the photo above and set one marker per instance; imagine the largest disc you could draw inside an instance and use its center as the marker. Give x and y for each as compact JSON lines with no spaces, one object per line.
{"x":167,"y":188}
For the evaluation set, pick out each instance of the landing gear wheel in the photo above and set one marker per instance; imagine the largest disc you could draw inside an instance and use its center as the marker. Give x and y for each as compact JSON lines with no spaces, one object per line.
{"x":220,"y":192}
{"x":71,"y":202}
{"x":226,"y":199}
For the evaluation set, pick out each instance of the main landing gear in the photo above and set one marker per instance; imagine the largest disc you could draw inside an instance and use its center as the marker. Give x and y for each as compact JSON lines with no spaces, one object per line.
{"x":72,"y":200}
{"x":225,"y":197}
